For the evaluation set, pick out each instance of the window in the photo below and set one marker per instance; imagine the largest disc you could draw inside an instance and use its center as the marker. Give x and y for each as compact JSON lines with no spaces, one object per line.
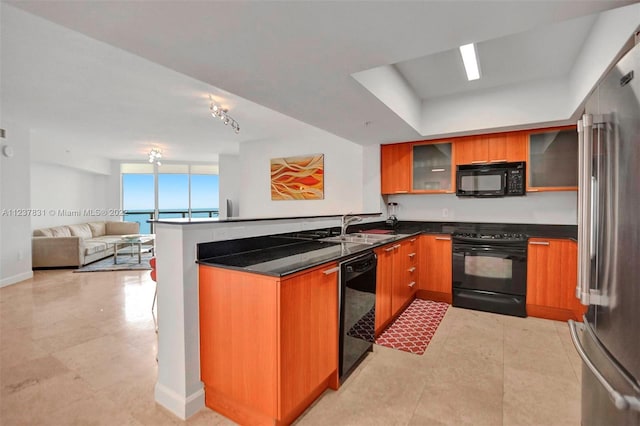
{"x":169,"y":191}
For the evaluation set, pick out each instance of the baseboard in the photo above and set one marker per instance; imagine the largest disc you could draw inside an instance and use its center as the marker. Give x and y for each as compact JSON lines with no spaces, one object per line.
{"x":556,"y":314}
{"x":436,"y":296}
{"x":16,"y":279}
{"x":182,"y":407}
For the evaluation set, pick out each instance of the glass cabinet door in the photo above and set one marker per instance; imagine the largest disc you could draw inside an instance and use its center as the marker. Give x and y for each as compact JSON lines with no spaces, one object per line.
{"x":553,"y":160}
{"x":432,"y":167}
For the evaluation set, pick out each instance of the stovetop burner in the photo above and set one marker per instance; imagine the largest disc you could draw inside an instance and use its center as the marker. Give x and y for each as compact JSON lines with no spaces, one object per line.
{"x":500,"y":236}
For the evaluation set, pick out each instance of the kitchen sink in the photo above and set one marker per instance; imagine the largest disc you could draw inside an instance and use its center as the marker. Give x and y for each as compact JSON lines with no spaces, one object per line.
{"x":359,"y":238}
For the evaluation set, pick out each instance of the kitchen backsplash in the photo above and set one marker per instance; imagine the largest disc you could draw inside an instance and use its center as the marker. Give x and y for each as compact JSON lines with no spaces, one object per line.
{"x":555,"y":208}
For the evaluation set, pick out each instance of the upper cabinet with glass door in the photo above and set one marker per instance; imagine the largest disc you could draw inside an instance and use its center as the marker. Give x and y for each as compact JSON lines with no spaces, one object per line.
{"x":433,"y":170}
{"x":553,"y":160}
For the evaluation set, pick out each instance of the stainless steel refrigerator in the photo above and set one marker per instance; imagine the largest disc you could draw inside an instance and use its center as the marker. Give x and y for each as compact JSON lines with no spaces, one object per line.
{"x":609,"y":248}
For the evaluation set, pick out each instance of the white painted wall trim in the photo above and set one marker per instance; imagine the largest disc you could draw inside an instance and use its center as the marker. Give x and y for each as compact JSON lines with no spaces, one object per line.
{"x":183,"y":407}
{"x":16,"y":279}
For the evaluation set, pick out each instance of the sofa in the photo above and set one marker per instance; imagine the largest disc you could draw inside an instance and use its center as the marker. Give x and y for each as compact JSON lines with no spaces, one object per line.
{"x":77,"y":245}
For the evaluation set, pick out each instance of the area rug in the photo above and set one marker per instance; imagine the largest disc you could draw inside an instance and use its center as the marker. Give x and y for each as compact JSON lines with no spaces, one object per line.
{"x":413,"y":329}
{"x":125,"y":263}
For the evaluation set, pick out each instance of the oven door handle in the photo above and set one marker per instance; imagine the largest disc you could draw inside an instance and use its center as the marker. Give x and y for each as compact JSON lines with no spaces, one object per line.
{"x":489,"y":250}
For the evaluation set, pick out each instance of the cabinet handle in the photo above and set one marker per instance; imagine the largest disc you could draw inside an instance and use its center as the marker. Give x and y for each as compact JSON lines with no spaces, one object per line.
{"x":390,"y":248}
{"x":413,"y":240}
{"x":539,"y":243}
{"x":331,"y":271}
{"x":443,"y":238}
{"x":412,"y":283}
{"x":411,"y":254}
{"x":412,"y":269}
{"x":397,"y":246}
{"x":401,"y":192}
{"x":498,"y":161}
{"x":478,"y":161}
{"x":532,"y":190}
{"x":448,"y":192}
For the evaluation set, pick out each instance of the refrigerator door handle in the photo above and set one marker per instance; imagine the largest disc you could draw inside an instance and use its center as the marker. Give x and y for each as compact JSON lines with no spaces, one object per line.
{"x":585,"y":150}
{"x":622,"y":402}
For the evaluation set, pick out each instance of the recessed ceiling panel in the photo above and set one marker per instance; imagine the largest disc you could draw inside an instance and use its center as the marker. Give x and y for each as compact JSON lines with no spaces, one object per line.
{"x":543,"y":53}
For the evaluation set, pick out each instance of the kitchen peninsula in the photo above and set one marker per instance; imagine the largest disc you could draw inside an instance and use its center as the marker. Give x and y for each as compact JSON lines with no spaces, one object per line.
{"x":179,"y":387}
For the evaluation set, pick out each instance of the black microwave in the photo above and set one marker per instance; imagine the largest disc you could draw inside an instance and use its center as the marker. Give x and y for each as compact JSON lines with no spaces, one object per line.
{"x":491,"y":180}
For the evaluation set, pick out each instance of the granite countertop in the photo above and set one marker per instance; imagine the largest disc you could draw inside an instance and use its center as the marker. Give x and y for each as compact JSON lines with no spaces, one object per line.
{"x":280,"y":256}
{"x":284,"y":254}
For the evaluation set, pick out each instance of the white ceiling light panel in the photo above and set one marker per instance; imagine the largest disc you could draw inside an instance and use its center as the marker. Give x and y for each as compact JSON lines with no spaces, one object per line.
{"x":470,"y":59}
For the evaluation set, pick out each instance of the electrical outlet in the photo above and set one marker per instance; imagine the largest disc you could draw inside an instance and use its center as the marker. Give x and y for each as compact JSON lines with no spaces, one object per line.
{"x":445,"y":212}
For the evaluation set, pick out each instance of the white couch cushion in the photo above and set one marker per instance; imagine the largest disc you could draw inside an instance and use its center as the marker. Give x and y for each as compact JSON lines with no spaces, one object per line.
{"x":43,"y":232}
{"x":60,"y":231}
{"x":106,"y":239}
{"x":98,"y":229}
{"x":91,"y":247}
{"x":83,"y":231}
{"x":122,"y":228}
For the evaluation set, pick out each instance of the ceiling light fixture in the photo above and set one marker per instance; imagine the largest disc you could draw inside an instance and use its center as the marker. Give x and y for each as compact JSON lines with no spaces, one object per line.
{"x":221,"y":113}
{"x":470,"y":59}
{"x":155,"y":155}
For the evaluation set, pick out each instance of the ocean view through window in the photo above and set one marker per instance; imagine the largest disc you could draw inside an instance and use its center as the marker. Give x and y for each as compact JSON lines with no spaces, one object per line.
{"x":182,"y":191}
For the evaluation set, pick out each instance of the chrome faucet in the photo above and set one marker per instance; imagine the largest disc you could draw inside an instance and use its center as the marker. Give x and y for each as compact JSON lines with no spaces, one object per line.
{"x":347,"y":220}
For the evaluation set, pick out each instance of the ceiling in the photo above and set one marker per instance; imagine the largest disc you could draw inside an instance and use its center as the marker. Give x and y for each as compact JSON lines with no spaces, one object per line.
{"x":117,"y":77}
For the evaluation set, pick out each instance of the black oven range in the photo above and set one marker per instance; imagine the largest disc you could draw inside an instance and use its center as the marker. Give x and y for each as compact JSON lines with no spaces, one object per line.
{"x":490,"y":272}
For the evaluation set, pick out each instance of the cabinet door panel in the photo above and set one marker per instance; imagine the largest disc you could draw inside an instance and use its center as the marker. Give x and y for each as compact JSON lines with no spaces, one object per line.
{"x":507,"y":147}
{"x":432,"y":167}
{"x":553,"y":160}
{"x":238,"y":317}
{"x":472,"y":150}
{"x":552,"y":274}
{"x":384,"y":278}
{"x":308,"y":334}
{"x":437,"y":268}
{"x":395,"y":168}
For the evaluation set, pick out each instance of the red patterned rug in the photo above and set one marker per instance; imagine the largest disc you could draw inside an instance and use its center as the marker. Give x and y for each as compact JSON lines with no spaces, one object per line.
{"x":413,"y":329}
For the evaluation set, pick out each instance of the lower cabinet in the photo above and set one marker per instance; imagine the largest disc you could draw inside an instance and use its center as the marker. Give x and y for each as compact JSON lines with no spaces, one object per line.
{"x":397,"y":279}
{"x":552,"y":268}
{"x":268,"y":345}
{"x":435,"y":277}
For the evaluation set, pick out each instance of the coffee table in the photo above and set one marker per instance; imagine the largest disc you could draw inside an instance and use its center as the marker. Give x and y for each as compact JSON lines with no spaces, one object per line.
{"x":133,"y":244}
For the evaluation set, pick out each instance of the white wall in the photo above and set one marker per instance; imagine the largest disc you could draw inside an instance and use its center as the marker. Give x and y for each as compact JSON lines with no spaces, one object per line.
{"x":343,"y":174}
{"x":71,"y":196}
{"x":509,"y":107}
{"x":15,"y":239}
{"x":372,"y":201}
{"x":555,"y":208}
{"x":229,"y":184}
{"x":608,"y":35}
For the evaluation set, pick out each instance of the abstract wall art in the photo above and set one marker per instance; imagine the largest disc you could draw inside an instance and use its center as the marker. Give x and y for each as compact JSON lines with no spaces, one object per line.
{"x":298,"y":178}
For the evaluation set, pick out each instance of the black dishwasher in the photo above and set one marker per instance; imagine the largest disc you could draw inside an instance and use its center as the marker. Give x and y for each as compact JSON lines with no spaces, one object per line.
{"x":357,"y":311}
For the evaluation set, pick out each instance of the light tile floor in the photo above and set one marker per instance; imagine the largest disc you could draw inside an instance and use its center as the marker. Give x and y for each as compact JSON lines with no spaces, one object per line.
{"x":79,"y":348}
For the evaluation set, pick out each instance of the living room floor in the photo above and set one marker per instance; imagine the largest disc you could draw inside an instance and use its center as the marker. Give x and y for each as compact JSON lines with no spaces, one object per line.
{"x":80,"y":349}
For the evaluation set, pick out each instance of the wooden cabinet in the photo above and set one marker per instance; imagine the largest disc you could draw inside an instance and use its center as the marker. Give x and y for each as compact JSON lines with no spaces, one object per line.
{"x":553,"y":160}
{"x":395,"y":168}
{"x":268,"y":346}
{"x":435,"y":275}
{"x":406,"y":275}
{"x":397,"y":278}
{"x":384,"y":279}
{"x":552,"y":267}
{"x":493,"y":148}
{"x":432,"y":168}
